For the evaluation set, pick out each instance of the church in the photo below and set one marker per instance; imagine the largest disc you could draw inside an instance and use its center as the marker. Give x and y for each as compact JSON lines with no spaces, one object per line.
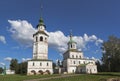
{"x":73,"y":60}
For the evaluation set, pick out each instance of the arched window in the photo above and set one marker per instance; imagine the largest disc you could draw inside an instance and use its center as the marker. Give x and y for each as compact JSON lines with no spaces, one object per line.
{"x":74,"y":62}
{"x":76,"y":56}
{"x":47,"y":64}
{"x":40,"y":64}
{"x":41,"y":38}
{"x":36,"y":39}
{"x":72,"y":56}
{"x":71,"y":45}
{"x":80,"y":56}
{"x":33,"y":63}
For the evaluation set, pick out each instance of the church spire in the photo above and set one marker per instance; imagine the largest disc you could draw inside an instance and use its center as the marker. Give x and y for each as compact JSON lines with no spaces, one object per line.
{"x":41,"y":25}
{"x":70,"y":35}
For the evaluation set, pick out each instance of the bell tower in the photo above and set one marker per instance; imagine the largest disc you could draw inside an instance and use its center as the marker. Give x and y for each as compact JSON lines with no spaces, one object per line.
{"x":40,"y":46}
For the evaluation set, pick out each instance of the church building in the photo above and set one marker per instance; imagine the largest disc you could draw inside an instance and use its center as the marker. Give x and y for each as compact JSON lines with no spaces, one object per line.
{"x":40,"y":63}
{"x":74,"y":61}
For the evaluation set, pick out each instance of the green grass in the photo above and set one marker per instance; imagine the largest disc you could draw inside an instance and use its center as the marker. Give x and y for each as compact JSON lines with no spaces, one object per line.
{"x":22,"y":77}
{"x":82,"y":77}
{"x":88,"y":77}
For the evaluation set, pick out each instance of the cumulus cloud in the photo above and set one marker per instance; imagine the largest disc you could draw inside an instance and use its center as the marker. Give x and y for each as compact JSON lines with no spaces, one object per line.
{"x":8,"y":59}
{"x":97,"y":60}
{"x":23,"y":31}
{"x":25,"y":59}
{"x":2,"y":39}
{"x":1,"y":63}
{"x":58,"y":40}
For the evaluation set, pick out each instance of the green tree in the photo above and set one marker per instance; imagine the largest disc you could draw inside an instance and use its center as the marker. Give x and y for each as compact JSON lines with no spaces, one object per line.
{"x":111,"y":54}
{"x":14,"y":65}
{"x":1,"y":70}
{"x":22,"y":68}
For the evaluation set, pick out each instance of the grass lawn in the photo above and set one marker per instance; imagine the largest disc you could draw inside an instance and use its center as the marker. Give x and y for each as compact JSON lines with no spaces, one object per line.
{"x":88,"y":77}
{"x":82,"y":77}
{"x":22,"y":77}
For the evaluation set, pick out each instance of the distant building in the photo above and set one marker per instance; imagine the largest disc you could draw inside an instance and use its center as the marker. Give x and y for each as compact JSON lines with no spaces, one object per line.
{"x":8,"y":71}
{"x":40,"y":63}
{"x":74,"y":61}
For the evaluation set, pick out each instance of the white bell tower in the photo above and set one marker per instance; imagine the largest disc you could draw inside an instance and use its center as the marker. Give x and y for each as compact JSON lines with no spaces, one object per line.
{"x":40,"y":46}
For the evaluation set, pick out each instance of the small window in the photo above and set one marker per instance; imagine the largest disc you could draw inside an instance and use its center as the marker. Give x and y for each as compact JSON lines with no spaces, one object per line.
{"x":84,"y":62}
{"x":71,"y":46}
{"x":47,"y":64}
{"x":40,"y":64}
{"x":45,"y":39}
{"x":33,"y":63}
{"x":74,"y":62}
{"x":80,"y":56}
{"x":41,"y":38}
{"x":76,"y":56}
{"x":72,"y":56}
{"x":79,"y":62}
{"x":73,"y":71}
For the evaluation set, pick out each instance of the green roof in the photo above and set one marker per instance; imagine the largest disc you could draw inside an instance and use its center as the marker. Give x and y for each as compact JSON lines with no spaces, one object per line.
{"x":72,"y":50}
{"x":41,"y":23}
{"x":83,"y":64}
{"x":71,"y":40}
{"x":39,"y":60}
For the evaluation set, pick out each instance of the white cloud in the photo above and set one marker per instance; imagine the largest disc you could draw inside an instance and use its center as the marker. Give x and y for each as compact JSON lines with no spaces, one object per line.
{"x":96,"y":60}
{"x":23,"y":31}
{"x":2,"y":39}
{"x":25,"y":59}
{"x":58,"y":40}
{"x":2,"y":63}
{"x":8,"y":59}
{"x":99,"y":41}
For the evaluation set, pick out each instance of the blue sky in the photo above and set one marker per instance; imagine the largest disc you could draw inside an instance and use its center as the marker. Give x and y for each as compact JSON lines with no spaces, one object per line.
{"x":86,"y":18}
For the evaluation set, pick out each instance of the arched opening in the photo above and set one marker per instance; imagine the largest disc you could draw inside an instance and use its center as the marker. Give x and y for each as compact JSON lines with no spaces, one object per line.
{"x":40,"y":72}
{"x":47,"y":64}
{"x":47,"y":71}
{"x":33,"y":72}
{"x":71,"y":45}
{"x":80,"y":56}
{"x":72,"y":56}
{"x":41,"y":38}
{"x":33,"y":63}
{"x":76,"y":56}
{"x":36,"y":39}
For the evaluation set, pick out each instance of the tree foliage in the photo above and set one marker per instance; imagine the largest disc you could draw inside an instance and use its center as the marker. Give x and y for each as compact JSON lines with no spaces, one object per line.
{"x":111,"y":54}
{"x":14,"y":65}
{"x":20,"y":68}
{"x":1,"y":70}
